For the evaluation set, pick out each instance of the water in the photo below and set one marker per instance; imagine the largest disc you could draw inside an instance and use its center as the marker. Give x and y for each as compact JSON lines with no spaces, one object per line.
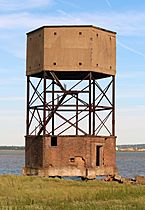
{"x":11,"y":161}
{"x":129,"y":164}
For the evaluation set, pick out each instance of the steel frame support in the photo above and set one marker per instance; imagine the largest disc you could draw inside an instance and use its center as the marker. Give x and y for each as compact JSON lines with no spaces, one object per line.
{"x":90,"y":102}
{"x":44,"y":104}
{"x":27,"y":112}
{"x":53,"y":107}
{"x":113,"y":106}
{"x":94,"y":107}
{"x":43,"y":112}
{"x":77,"y":104}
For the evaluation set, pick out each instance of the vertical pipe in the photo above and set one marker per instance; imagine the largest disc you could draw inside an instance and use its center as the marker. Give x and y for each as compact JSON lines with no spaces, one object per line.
{"x":52,"y":107}
{"x":93,"y":106}
{"x":90,"y":105}
{"x":44,"y":105}
{"x":77,"y":114}
{"x":28,"y":95}
{"x":113,"y":105}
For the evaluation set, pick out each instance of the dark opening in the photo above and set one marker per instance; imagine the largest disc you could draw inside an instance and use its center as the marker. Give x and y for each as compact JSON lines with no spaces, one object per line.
{"x":80,"y":63}
{"x":98,"y":155}
{"x":54,"y":63}
{"x":72,"y":159}
{"x":53,"y":141}
{"x":55,"y":33}
{"x":80,"y":33}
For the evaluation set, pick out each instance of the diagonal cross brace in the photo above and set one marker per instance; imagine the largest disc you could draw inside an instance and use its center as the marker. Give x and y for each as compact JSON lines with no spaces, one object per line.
{"x":59,"y":102}
{"x":58,"y":83}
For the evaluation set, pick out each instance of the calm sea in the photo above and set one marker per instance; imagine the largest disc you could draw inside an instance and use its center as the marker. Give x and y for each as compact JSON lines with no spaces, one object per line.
{"x":129,"y":164}
{"x":11,"y":161}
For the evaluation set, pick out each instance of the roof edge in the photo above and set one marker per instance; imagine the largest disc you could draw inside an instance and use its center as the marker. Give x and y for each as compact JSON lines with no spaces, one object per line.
{"x":69,"y":26}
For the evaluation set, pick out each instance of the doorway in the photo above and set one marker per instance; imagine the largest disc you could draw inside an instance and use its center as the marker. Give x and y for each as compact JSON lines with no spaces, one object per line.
{"x":98,"y":155}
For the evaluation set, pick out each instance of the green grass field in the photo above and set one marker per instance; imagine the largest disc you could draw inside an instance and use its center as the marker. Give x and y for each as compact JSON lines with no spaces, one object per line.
{"x":19,"y":192}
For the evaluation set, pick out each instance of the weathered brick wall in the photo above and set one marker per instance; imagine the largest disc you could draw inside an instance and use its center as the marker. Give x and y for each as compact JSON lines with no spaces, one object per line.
{"x":110,"y":152}
{"x":75,"y":151}
{"x":69,"y":147}
{"x":34,"y":151}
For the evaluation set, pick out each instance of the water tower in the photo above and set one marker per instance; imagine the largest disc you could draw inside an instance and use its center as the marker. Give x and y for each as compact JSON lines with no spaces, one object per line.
{"x":70,"y":126}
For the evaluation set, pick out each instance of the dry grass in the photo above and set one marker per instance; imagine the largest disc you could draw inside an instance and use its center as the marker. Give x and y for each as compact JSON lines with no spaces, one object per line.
{"x":19,"y":192}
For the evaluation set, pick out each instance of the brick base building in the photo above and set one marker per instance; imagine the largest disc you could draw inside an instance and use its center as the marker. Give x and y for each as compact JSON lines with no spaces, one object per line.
{"x":70,"y":156}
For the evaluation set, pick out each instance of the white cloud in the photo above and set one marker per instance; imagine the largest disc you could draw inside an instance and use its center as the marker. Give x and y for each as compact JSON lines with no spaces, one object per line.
{"x":12,"y":128}
{"x":15,"y":24}
{"x":131,"y":95}
{"x":131,"y":91}
{"x":70,"y":4}
{"x":26,"y":21}
{"x":6,"y":113}
{"x":131,"y":49}
{"x":108,"y":3}
{"x":9,"y":81}
{"x":12,"y":98}
{"x":131,"y":111}
{"x":131,"y":74}
{"x":130,"y":125}
{"x":129,"y":23}
{"x":22,"y":5}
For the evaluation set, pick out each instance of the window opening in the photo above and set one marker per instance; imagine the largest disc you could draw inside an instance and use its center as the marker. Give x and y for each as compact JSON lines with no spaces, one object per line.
{"x":53,"y":141}
{"x":98,"y":155}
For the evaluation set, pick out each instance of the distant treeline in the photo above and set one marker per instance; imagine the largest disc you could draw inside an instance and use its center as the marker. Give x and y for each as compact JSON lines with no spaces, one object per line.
{"x":135,"y":146}
{"x":12,"y":147}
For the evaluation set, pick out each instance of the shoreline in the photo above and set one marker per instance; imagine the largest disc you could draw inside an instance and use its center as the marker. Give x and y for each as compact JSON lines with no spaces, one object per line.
{"x":121,"y":150}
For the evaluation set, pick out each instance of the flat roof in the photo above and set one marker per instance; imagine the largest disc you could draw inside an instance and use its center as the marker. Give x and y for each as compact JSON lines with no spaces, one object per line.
{"x":71,"y":26}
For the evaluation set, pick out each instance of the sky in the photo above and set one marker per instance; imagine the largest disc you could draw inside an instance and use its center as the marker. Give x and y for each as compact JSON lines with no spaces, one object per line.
{"x":126,"y":17}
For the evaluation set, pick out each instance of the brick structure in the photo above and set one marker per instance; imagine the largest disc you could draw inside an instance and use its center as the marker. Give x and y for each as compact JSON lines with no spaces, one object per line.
{"x":70,"y":156}
{"x":73,"y":133}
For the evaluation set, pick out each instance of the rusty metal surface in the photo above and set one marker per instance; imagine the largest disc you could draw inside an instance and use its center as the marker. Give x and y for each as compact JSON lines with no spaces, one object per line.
{"x":71,"y":49}
{"x":77,"y":109}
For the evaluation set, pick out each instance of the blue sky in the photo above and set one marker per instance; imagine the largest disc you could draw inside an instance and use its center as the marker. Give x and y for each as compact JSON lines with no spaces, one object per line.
{"x":126,"y":17}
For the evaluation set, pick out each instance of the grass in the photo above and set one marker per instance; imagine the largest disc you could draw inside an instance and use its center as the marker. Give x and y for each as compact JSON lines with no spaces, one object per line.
{"x":19,"y":192}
